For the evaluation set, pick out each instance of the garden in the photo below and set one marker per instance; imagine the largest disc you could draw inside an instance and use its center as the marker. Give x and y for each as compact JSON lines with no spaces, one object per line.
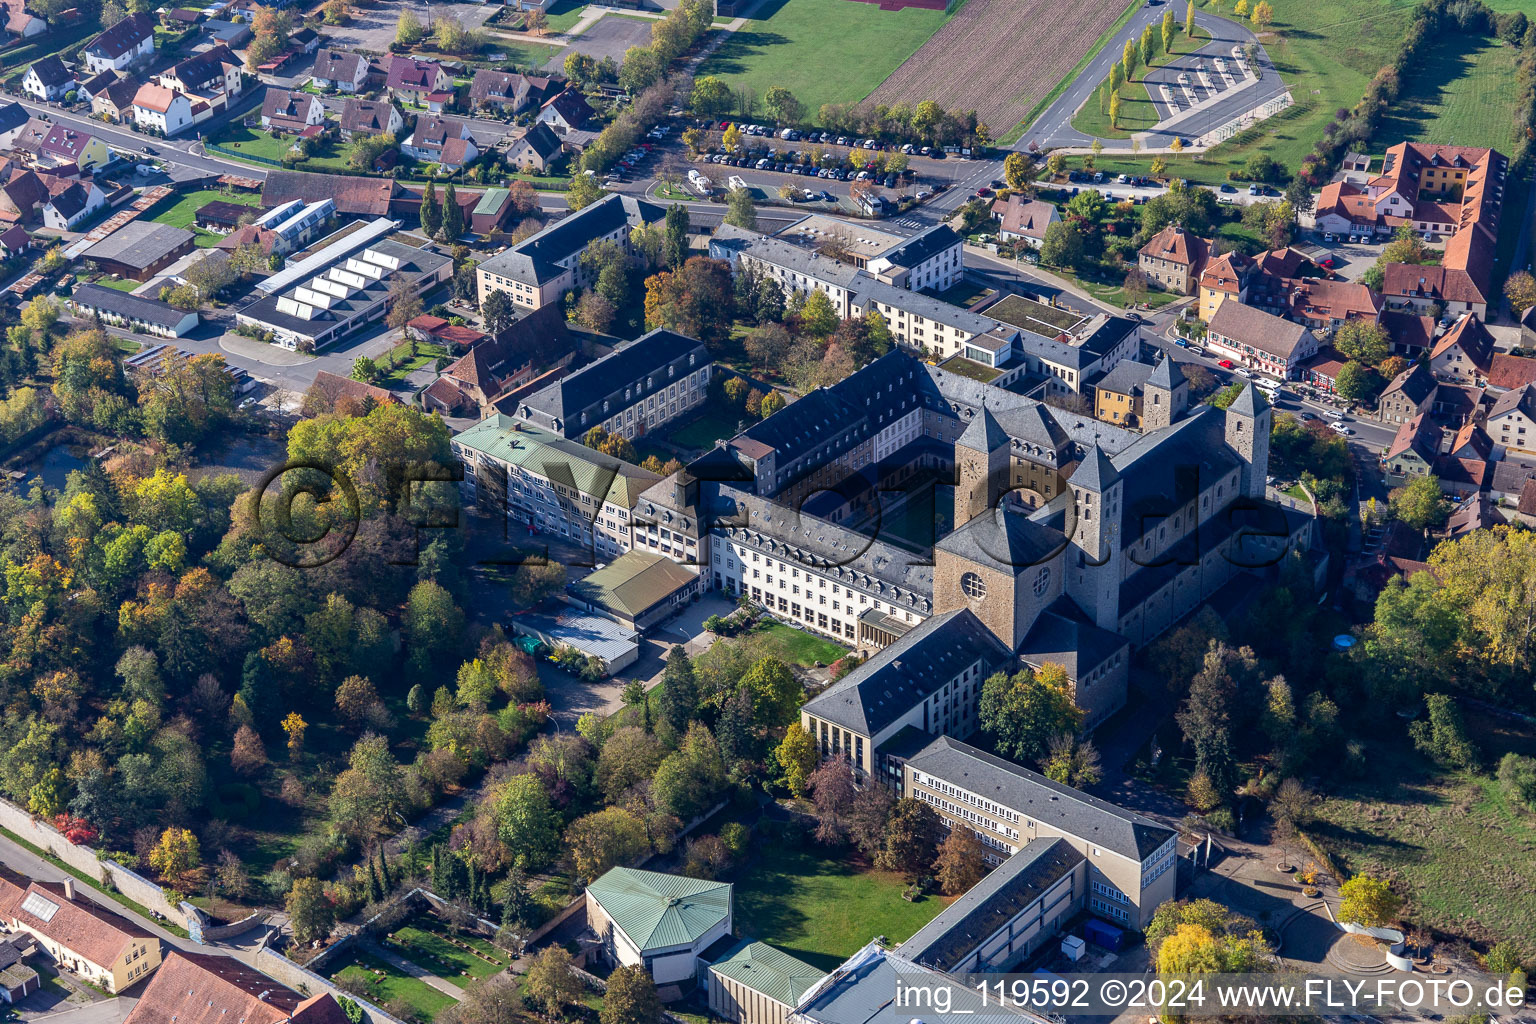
{"x":391,"y":988}
{"x":180,"y":211}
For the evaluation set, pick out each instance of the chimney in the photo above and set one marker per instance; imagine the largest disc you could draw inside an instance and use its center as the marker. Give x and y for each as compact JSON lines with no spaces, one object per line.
{"x":69,"y":889}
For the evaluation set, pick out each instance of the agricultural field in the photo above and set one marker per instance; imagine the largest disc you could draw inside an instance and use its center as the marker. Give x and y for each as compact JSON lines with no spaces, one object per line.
{"x":1461,"y":93}
{"x":824,"y":51}
{"x":1001,"y":57}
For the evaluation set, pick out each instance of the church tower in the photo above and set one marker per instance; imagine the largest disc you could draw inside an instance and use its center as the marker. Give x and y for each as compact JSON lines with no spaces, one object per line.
{"x":981,"y":467}
{"x":1164,"y":397}
{"x":1248,"y":421}
{"x":1095,"y":562}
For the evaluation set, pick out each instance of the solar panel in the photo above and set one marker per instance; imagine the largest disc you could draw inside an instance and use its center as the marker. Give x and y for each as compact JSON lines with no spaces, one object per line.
{"x":39,"y":906}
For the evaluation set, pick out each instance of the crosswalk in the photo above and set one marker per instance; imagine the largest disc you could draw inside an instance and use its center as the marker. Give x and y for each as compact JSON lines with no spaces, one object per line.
{"x":908,"y":222}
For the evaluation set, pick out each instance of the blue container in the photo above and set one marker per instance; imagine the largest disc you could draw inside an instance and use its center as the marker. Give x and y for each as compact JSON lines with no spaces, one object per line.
{"x":1103,"y":934}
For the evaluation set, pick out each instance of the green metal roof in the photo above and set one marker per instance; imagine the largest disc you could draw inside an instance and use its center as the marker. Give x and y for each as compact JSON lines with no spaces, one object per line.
{"x":491,"y":201}
{"x":771,"y":972}
{"x":634,"y":583}
{"x":556,"y":458}
{"x":657,"y":910}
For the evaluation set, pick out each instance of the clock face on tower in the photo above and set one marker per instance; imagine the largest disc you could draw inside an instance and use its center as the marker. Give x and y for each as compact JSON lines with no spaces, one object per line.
{"x":973,"y":586}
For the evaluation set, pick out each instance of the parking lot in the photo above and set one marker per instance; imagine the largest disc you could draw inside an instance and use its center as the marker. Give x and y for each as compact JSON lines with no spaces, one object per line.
{"x":373,"y":27}
{"x":610,"y":36}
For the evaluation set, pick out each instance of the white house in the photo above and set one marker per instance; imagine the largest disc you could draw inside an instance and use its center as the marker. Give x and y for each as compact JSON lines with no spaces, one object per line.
{"x":121,"y":46}
{"x":155,"y":106}
{"x":339,"y":70}
{"x":47,"y":79}
{"x":659,"y":921}
{"x":73,"y":205}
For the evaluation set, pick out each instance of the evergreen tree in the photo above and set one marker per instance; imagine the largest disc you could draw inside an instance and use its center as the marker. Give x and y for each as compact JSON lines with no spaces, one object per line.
{"x":431,"y":212}
{"x":515,"y":911}
{"x":439,"y":873}
{"x":384,"y":876}
{"x":679,"y":692}
{"x":675,"y":250}
{"x":375,"y":886}
{"x":453,"y":216}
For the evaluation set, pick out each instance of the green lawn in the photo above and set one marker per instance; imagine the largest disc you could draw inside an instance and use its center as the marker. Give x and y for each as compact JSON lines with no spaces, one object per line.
{"x":1137,"y":114}
{"x":427,"y":946}
{"x":391,"y":984}
{"x":797,"y":646}
{"x":704,"y":430}
{"x":122,"y":284}
{"x":253,"y":142}
{"x":1460,"y":94}
{"x":823,"y":51}
{"x":819,"y":907}
{"x":524,"y":55}
{"x":1449,"y":842}
{"x":180,"y":211}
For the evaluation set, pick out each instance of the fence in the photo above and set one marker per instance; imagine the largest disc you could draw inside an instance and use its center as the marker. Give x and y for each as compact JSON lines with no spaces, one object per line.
{"x":243,"y":156}
{"x":105,"y":873}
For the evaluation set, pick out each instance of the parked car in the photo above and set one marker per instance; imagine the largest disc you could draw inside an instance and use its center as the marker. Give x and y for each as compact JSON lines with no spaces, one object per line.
{"x":1228,"y":189}
{"x":1243,"y":371}
{"x":1225,"y":364}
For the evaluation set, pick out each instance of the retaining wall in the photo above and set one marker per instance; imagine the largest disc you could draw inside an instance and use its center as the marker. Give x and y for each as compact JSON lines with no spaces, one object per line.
{"x":275,"y":965}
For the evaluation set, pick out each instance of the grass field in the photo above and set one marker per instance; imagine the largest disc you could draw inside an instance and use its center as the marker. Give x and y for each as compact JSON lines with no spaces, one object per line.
{"x":183,"y":211}
{"x":1449,"y":842}
{"x":424,"y":942}
{"x":704,"y":430}
{"x":1137,"y":113}
{"x":122,"y":284}
{"x":797,"y":647}
{"x":822,"y":908}
{"x":823,"y":51}
{"x":1461,"y":94}
{"x":524,"y":55}
{"x":392,"y":984}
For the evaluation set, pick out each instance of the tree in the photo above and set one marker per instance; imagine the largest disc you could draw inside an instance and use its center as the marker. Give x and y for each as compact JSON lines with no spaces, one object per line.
{"x":711,"y":96}
{"x":359,"y":703}
{"x":1368,"y":901}
{"x":961,"y":862}
{"x":817,"y":316}
{"x":1063,"y":245}
{"x":1362,"y":340}
{"x":175,"y":854}
{"x":1444,"y":736}
{"x":1072,"y":762}
{"x":551,"y":982}
{"x":1189,"y":19}
{"x":453,"y":215}
{"x":740,"y":210}
{"x":584,"y":191}
{"x":631,"y":998}
{"x":431,"y":210}
{"x":409,"y":30}
{"x":796,"y":755}
{"x":498,"y":313}
{"x":1148,"y":46}
{"x":1353,"y":382}
{"x":1168,"y":30}
{"x":834,"y":793}
{"x":1421,"y":503}
{"x":294,"y":726}
{"x":606,"y":839}
{"x":309,"y":911}
{"x":1116,"y":80}
{"x":911,"y":838}
{"x":1023,"y":711}
{"x":679,"y":693}
{"x":1520,"y":290}
{"x":526,"y":823}
{"x":675,"y":249}
{"x":1263,"y":15}
{"x":537,"y":22}
{"x":783,"y":105}
{"x":1016,"y":171}
{"x":248,"y":755}
{"x":1517,"y":778}
{"x":337,"y":12}
{"x":1131,"y":58}
{"x":1114,"y":110}
{"x":595,"y":311}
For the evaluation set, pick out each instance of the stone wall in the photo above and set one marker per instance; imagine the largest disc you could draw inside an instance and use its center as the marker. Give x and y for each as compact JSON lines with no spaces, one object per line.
{"x":105,"y":873}
{"x":275,"y":965}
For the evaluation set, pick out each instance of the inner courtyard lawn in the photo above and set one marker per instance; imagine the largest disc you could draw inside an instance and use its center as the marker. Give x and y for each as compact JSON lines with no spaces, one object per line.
{"x":822,"y":907}
{"x":823,"y":51}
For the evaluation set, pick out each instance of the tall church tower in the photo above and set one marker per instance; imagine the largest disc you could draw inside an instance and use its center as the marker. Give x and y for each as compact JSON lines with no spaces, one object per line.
{"x":1164,"y":397}
{"x":1095,"y":562}
{"x":1248,"y":421}
{"x":981,"y":467}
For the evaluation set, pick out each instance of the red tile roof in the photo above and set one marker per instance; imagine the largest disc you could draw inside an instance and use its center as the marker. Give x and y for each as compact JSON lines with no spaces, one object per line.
{"x":197,"y":988}
{"x":1510,"y":372}
{"x":79,"y":925}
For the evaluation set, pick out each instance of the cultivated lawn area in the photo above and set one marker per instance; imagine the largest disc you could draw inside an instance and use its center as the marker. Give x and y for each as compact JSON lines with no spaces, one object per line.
{"x":382,"y":983}
{"x":1462,"y":93}
{"x":1326,"y":51}
{"x":1450,"y":841}
{"x":425,"y":942}
{"x":797,"y":647}
{"x":823,"y":51}
{"x":253,"y":141}
{"x":183,"y":212}
{"x":821,"y":907}
{"x":1137,"y":112}
{"x":704,"y":430}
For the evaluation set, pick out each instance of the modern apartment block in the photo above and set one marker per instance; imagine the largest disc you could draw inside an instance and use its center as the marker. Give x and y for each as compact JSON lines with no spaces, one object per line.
{"x":1130,"y":857}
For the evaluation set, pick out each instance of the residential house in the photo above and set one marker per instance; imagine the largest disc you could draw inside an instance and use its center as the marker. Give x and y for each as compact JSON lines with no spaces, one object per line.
{"x":20,"y":23}
{"x":1412,"y":333}
{"x":1460,"y":283}
{"x":1322,"y":370}
{"x":291,"y":112}
{"x":545,"y":483}
{"x":445,"y":141}
{"x":567,"y":111}
{"x":13,"y":118}
{"x":306,"y":40}
{"x":1009,"y":808}
{"x":331,"y":392}
{"x":423,"y":83}
{"x":58,"y":148}
{"x":339,"y":70}
{"x":70,"y":203}
{"x":1507,"y":372}
{"x":632,"y":390}
{"x":1228,"y":276}
{"x":116,"y":102}
{"x":14,"y":241}
{"x":1117,"y":396}
{"x":99,"y":946}
{"x":17,"y":980}
{"x":1024,"y":220}
{"x":1464,"y":354}
{"x":47,"y":79}
{"x":96,"y":84}
{"x":1512,"y":420}
{"x":371,"y":117}
{"x":1407,"y":396}
{"x":540,"y":342}
{"x":138,"y":312}
{"x":510,"y":91}
{"x":201,"y":988}
{"x":120,"y":47}
{"x":213,"y":76}
{"x":1325,"y":304}
{"x":165,"y":110}
{"x":21,"y":195}
{"x":1174,"y":259}
{"x":659,"y":921}
{"x":1259,"y":340}
{"x":538,"y":148}
{"x":542,"y":268}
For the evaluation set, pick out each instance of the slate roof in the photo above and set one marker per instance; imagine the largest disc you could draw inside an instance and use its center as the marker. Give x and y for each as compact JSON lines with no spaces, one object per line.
{"x":366,"y":115}
{"x":1034,"y":796}
{"x":1409,"y":329}
{"x":134,"y":307}
{"x":1129,"y":377}
{"x":771,"y":972}
{"x":659,"y":911}
{"x":51,"y":72}
{"x":1005,"y":540}
{"x":339,"y":65}
{"x":1523,"y":399}
{"x":536,"y":259}
{"x":644,"y":359}
{"x":489,"y":85}
{"x":202,"y":69}
{"x":12,"y":116}
{"x":924,"y":245}
{"x":1261,"y":330}
{"x":542,"y":140}
{"x":1096,"y":472}
{"x":904,"y":674}
{"x":1166,"y":469}
{"x":122,"y":37}
{"x":1063,"y":635}
{"x":572,"y":107}
{"x":984,"y":433}
{"x":1416,"y":383}
{"x":945,"y":942}
{"x":120,"y":94}
{"x":1166,"y":375}
{"x":288,"y":108}
{"x":1474,"y":339}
